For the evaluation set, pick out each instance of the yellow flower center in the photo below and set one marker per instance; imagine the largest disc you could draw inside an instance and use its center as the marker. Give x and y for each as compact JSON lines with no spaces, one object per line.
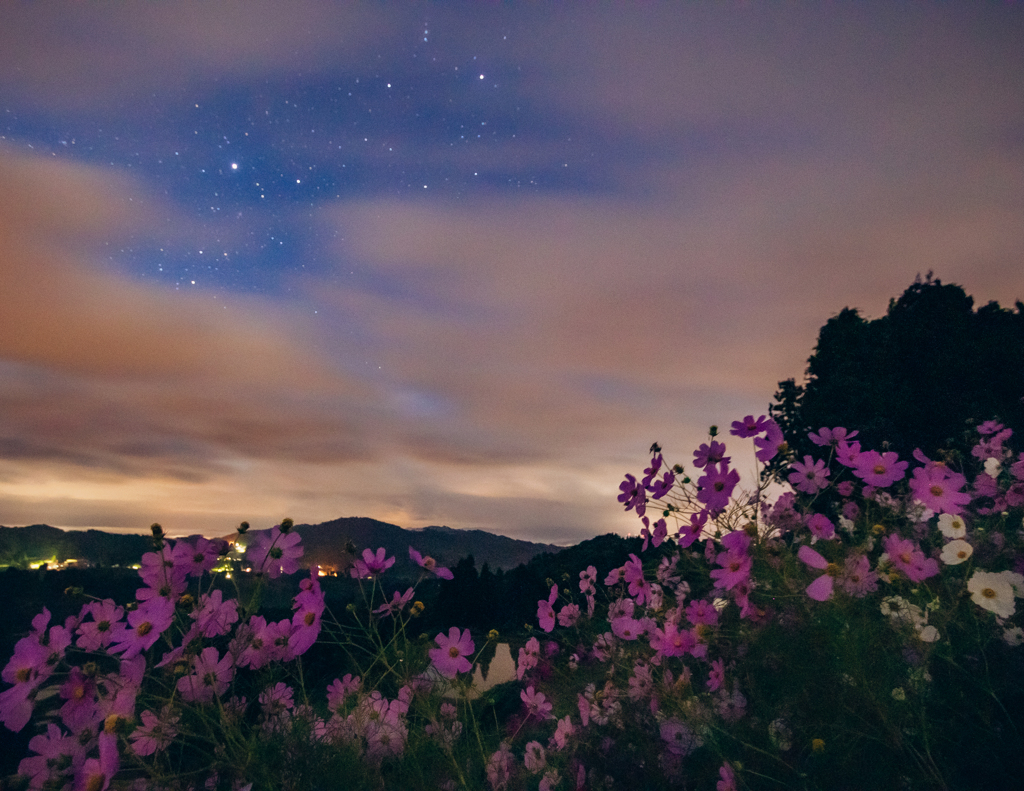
{"x":453,"y":652}
{"x":988,"y":593}
{"x":936,"y":491}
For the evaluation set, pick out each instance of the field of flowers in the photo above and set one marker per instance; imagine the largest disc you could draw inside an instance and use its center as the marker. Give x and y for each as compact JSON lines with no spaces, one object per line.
{"x":857,"y":629}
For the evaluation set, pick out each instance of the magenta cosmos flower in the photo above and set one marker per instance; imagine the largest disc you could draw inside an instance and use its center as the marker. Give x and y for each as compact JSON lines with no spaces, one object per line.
{"x":771,"y":444}
{"x":748,"y":427}
{"x":821,"y":588}
{"x":450,"y":656}
{"x":879,"y":469}
{"x":826,"y":437}
{"x":372,"y":564}
{"x":716,"y":486}
{"x":274,"y":552}
{"x":809,"y":476}
{"x":905,"y":555}
{"x":938,"y":488}
{"x":430,"y":565}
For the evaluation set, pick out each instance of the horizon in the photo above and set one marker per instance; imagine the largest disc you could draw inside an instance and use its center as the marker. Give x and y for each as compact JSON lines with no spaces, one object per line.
{"x":462,"y":263}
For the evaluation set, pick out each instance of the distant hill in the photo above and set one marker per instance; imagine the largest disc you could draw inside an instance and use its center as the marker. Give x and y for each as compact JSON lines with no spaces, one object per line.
{"x":324,"y":544}
{"x":23,"y":546}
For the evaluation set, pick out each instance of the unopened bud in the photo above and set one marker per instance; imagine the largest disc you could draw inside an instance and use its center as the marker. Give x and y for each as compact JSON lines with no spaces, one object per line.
{"x":713,"y":431}
{"x":287,"y":524}
{"x":492,"y":635}
{"x":417,"y":609}
{"x":242,"y":528}
{"x":157,"y":530}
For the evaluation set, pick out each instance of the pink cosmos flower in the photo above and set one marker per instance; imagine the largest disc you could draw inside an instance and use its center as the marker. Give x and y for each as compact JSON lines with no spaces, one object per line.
{"x":309,"y":607}
{"x":430,"y":565}
{"x":563,"y":731}
{"x":197,"y":554}
{"x":650,"y":473}
{"x":55,"y":749}
{"x":821,"y":588}
{"x":397,"y":603}
{"x":659,"y":534}
{"x":857,"y":578}
{"x":546,"y":610}
{"x":679,"y":739}
{"x":826,"y":437}
{"x":735,"y":561}
{"x":274,"y":552}
{"x":905,"y":555}
{"x":211,"y":675}
{"x":847,"y":453}
{"x":728,"y":781}
{"x":96,"y":773}
{"x":634,"y":495}
{"x":938,"y":488}
{"x":688,"y":533}
{"x":672,"y":641}
{"x":537,"y":704}
{"x":716,"y":486}
{"x":659,"y":489}
{"x":569,"y":615}
{"x":371,"y":564}
{"x":529,"y":656}
{"x":821,"y":526}
{"x":339,"y":689}
{"x":771,"y":444}
{"x":450,"y":656}
{"x":809,"y":476}
{"x":588,"y":580}
{"x":880,"y":469}
{"x":710,"y":454}
{"x":155,"y":733}
{"x":748,"y":427}
{"x":535,"y":757}
{"x":214,"y":615}
{"x":700,"y":611}
{"x":499,"y":768}
{"x":104,"y":627}
{"x":717,"y":675}
{"x":626,"y":628}
{"x":989,"y":427}
{"x":147,"y":623}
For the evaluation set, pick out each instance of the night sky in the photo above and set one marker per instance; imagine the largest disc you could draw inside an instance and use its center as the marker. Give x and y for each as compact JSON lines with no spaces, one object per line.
{"x":461,"y":264}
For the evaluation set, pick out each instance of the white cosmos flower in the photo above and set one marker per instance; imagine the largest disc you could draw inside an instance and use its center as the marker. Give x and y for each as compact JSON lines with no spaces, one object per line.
{"x":993,"y":467}
{"x":952,"y":526}
{"x":992,"y":592}
{"x":956,"y":552}
{"x":1013,"y":636}
{"x":1016,"y":582}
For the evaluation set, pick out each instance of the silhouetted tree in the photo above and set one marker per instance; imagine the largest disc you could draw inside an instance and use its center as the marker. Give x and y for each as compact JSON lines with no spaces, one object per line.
{"x":915,"y":378}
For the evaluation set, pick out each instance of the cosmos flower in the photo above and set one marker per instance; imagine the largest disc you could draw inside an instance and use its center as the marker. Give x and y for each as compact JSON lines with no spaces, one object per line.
{"x":992,"y":592}
{"x":450,"y":656}
{"x":880,"y":469}
{"x":908,"y":558}
{"x":821,"y":588}
{"x":826,"y":437}
{"x":546,"y":610}
{"x":274,"y":552}
{"x":710,"y":454}
{"x":430,"y":565}
{"x":952,"y":526}
{"x":372,"y":564}
{"x":956,"y":552}
{"x":748,"y":427}
{"x":771,"y":444}
{"x":809,"y":476}
{"x":938,"y":488}
{"x":716,"y":486}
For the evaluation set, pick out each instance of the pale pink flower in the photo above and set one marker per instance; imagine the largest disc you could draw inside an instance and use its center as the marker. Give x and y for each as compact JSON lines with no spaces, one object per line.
{"x":429,"y":564}
{"x":537,"y":704}
{"x":546,"y":610}
{"x":939,"y":488}
{"x":450,"y":657}
{"x":821,"y":588}
{"x":372,"y":564}
{"x":809,"y":476}
{"x":535,"y":757}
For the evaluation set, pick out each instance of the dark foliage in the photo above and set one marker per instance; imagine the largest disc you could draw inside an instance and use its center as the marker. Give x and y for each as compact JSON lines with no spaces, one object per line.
{"x":914,"y":378}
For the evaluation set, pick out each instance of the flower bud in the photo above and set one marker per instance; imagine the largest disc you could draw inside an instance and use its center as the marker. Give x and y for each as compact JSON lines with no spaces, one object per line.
{"x":242,"y":528}
{"x":492,"y":635}
{"x":287,"y":524}
{"x":157,"y":530}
